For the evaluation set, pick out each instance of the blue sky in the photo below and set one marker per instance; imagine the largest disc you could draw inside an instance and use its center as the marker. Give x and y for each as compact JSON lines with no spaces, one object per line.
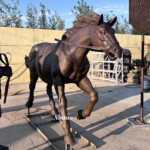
{"x":64,"y":7}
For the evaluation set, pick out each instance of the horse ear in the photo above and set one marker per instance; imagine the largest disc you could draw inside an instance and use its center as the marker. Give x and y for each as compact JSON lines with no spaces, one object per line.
{"x":64,"y":37}
{"x":100,"y":20}
{"x":112,"y":21}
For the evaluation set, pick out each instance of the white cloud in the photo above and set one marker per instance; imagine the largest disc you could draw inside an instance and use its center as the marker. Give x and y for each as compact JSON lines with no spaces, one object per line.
{"x":97,"y":10}
{"x":24,"y":19}
{"x":66,"y":14}
{"x":69,"y":21}
{"x":69,"y":18}
{"x":118,"y":9}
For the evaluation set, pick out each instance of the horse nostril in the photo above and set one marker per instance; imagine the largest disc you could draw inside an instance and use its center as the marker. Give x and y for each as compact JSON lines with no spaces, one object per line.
{"x":115,"y":49}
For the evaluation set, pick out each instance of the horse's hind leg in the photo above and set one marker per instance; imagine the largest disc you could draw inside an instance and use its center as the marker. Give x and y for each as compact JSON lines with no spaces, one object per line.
{"x":54,"y":110}
{"x":87,"y":87}
{"x":33,"y":79}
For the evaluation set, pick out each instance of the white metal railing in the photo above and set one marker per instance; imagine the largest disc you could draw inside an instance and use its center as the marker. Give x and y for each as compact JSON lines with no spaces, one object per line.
{"x":99,"y":70}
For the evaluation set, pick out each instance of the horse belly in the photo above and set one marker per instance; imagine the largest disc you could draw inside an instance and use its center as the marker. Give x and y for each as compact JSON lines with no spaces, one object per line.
{"x":46,"y":78}
{"x":45,"y":75}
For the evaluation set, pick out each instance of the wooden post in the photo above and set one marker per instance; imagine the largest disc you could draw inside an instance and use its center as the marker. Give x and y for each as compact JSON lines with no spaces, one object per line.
{"x":68,"y":147}
{"x":142,"y":78}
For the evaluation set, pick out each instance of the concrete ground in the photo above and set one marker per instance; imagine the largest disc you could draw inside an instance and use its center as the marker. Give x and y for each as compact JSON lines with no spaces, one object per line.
{"x":107,"y":127}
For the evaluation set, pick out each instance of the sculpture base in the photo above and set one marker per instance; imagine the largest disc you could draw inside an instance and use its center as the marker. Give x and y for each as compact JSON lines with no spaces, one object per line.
{"x":137,"y":123}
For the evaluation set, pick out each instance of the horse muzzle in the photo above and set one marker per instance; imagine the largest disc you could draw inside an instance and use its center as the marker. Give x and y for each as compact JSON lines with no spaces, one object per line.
{"x":114,"y":53}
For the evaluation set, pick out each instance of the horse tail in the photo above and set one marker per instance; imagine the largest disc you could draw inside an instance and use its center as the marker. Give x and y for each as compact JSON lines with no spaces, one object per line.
{"x":27,"y":61}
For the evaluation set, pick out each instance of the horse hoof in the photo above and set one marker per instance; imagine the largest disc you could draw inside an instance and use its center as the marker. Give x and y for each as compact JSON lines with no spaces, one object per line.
{"x":79,"y":115}
{"x":68,"y":139}
{"x":29,"y":104}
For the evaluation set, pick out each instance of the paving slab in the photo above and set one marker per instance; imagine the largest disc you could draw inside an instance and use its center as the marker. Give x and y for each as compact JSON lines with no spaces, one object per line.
{"x":106,"y":127}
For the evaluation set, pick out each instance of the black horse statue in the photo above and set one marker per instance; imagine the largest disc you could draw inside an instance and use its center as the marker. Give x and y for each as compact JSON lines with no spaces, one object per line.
{"x":5,"y":70}
{"x":66,"y":62}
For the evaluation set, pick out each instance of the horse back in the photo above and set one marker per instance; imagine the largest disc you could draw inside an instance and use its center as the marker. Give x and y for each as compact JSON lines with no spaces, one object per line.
{"x":41,"y":49}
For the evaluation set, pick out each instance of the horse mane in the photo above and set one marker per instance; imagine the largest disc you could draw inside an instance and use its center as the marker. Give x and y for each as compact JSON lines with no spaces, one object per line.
{"x":83,"y":21}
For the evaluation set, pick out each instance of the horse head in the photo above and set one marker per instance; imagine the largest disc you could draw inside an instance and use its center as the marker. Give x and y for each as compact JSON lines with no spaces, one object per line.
{"x":104,"y":35}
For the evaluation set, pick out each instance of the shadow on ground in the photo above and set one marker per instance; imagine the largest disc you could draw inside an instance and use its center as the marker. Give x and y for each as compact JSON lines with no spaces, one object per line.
{"x":78,"y":100}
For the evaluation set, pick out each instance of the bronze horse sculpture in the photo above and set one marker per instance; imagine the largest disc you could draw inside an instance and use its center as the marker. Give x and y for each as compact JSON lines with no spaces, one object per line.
{"x":66,"y":62}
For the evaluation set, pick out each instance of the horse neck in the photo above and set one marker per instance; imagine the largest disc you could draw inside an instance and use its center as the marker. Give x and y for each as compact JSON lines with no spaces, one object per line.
{"x":81,"y":37}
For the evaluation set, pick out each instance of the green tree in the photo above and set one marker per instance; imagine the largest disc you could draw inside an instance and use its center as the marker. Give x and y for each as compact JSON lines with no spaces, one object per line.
{"x":81,"y":9}
{"x":10,"y":15}
{"x":32,"y":17}
{"x":16,"y":15}
{"x":5,"y":17}
{"x":108,"y":16}
{"x":134,"y":31}
{"x":125,"y":26}
{"x":121,"y":26}
{"x":55,"y":22}
{"x":48,"y":21}
{"x":52,"y":22}
{"x":42,"y":21}
{"x":60,"y":22}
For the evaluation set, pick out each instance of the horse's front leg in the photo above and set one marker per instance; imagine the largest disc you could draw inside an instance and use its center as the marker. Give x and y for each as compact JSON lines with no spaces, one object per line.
{"x":59,"y":86}
{"x":87,"y":87}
